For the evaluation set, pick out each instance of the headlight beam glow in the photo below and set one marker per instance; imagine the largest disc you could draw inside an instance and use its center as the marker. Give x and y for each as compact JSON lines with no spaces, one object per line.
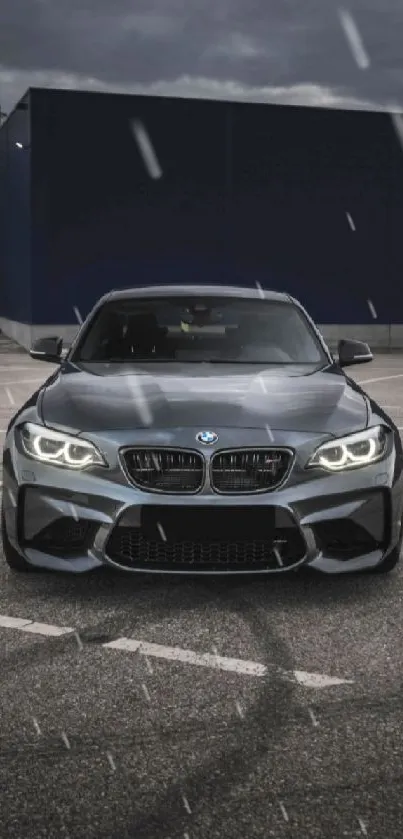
{"x":58,"y":449}
{"x":351,"y":452}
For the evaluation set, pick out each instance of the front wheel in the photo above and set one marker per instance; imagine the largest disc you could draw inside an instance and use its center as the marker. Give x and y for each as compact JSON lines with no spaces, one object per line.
{"x":13,"y":559}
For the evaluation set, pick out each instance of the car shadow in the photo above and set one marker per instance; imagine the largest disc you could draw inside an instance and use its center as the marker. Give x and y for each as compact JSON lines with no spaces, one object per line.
{"x":276,"y":591}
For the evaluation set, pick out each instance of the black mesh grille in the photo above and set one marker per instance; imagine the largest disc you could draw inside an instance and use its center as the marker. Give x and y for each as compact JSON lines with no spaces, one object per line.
{"x":344,"y":539}
{"x":201,"y":540}
{"x":165,"y":470}
{"x":246,"y":471}
{"x":64,"y":536}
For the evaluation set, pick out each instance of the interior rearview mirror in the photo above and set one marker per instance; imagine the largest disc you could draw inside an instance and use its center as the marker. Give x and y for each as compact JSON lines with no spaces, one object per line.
{"x":353,"y":352}
{"x":47,"y":349}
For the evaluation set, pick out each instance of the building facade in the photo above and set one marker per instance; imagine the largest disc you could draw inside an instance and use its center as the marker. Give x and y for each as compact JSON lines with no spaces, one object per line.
{"x":101,"y":191}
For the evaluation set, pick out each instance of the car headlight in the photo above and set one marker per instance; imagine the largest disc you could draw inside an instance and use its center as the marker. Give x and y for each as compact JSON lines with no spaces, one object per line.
{"x":59,"y":449}
{"x":353,"y":451}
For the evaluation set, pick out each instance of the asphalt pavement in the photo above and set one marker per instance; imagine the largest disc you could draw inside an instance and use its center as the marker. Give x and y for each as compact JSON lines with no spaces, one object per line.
{"x":270,"y":708}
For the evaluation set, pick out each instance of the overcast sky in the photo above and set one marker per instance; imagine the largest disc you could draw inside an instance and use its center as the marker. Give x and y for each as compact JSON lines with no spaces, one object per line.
{"x":264,"y":50}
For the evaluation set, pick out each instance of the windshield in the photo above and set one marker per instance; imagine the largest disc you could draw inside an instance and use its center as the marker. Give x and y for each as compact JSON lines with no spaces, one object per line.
{"x":200,"y":329}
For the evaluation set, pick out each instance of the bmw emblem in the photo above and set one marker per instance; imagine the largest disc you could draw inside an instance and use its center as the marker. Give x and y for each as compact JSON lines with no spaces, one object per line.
{"x":208,"y":438}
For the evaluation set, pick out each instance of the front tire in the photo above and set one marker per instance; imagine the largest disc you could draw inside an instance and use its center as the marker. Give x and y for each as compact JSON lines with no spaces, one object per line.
{"x":13,"y":559}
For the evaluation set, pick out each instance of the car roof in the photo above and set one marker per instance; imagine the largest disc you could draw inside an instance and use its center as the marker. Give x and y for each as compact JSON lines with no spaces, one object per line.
{"x":197,"y":291}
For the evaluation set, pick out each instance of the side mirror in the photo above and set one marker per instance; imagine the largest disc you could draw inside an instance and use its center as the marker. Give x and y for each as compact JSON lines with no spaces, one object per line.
{"x":47,"y":349}
{"x":353,"y":352}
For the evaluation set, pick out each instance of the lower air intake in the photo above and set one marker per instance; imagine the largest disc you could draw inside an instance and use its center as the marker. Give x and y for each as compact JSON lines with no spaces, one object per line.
{"x":345,"y":539}
{"x":65,"y":536}
{"x":207,"y":539}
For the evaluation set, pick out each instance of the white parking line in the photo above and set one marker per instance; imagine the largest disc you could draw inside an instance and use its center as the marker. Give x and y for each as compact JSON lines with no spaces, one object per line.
{"x":317,"y":680}
{"x":23,"y":382}
{"x":216,"y":662}
{"x":380,"y":379}
{"x":250,"y":668}
{"x":10,"y":368}
{"x":13,"y":623}
{"x":146,"y":649}
{"x":31,"y":626}
{"x":46,"y":629}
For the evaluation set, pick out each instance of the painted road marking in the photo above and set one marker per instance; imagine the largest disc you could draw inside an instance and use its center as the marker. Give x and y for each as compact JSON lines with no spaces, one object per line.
{"x":13,"y":623}
{"x":46,"y":629}
{"x":8,"y":622}
{"x":146,"y":649}
{"x":22,"y":382}
{"x":380,"y":379}
{"x":216,"y":662}
{"x":233,"y":665}
{"x":317,"y":680}
{"x":10,"y":368}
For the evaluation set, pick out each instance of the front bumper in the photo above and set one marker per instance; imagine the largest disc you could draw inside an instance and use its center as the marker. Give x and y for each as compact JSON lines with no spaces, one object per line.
{"x":339,"y":523}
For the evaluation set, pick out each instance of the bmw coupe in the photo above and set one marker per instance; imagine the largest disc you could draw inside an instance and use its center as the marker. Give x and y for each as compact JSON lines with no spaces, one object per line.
{"x":201,"y":430}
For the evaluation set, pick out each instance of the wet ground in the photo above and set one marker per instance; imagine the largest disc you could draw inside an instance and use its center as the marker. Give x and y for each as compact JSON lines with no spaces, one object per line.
{"x":106,"y":741}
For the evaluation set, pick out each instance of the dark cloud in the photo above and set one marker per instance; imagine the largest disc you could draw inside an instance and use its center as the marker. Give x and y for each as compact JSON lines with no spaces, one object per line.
{"x":253,"y":49}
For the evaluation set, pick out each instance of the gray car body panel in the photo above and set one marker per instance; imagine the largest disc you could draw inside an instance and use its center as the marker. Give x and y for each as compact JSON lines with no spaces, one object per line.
{"x":101,"y":397}
{"x":166,"y":405}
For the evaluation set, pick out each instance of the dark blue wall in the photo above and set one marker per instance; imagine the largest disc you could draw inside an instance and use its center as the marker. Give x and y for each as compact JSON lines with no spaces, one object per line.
{"x":249,"y":193}
{"x":15,"y":217}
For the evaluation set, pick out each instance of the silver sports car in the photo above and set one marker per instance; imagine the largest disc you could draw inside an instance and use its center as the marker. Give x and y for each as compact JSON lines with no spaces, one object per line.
{"x":203,"y":430}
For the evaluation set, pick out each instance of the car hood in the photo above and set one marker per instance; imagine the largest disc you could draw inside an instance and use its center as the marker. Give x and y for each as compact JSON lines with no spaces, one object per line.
{"x":99,"y":397}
